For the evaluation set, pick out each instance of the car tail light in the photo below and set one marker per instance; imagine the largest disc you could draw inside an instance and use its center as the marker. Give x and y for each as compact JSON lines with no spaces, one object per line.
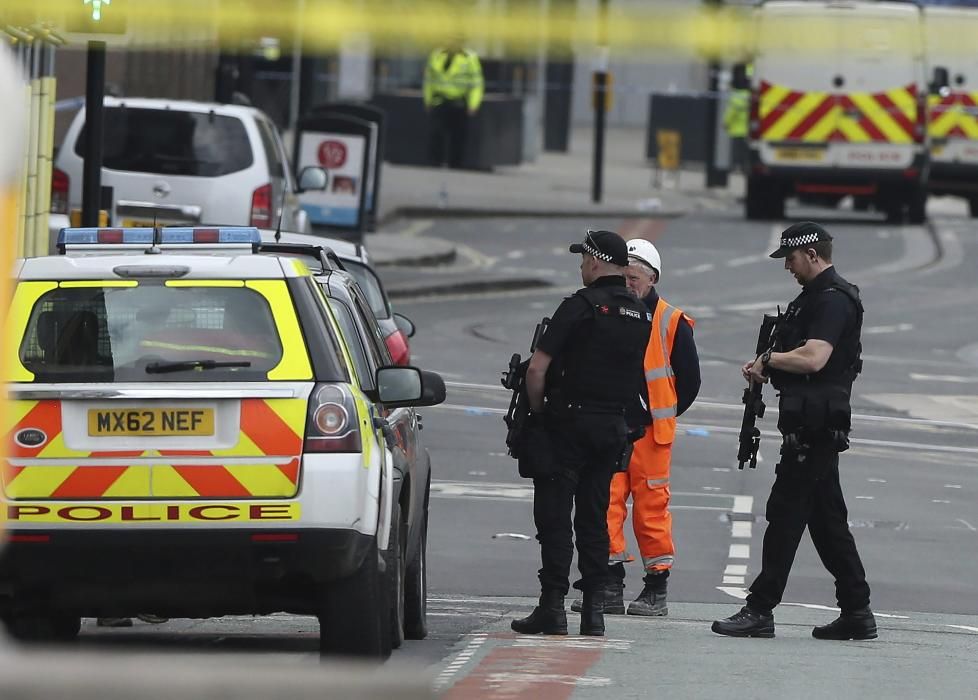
{"x":261,"y":207}
{"x":59,"y":191}
{"x":920,"y":125}
{"x":332,"y":425}
{"x":397,"y":345}
{"x":754,"y":125}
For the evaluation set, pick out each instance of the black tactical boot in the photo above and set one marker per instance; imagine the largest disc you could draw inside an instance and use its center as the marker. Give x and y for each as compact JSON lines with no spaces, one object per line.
{"x":747,"y":623}
{"x":548,"y":617}
{"x":856,"y":624}
{"x":614,"y":600}
{"x":650,"y":603}
{"x":592,"y":613}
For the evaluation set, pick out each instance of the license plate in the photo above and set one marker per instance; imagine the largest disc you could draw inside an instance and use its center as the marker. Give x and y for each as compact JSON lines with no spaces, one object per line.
{"x":798,"y":154}
{"x":142,"y":422}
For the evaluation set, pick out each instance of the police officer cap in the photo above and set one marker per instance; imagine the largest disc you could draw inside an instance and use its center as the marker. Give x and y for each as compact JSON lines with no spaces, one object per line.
{"x":603,"y":245}
{"x":799,"y":235}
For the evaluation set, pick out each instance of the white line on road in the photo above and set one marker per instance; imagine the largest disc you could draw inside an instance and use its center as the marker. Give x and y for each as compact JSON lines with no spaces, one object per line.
{"x":743,"y":504}
{"x":734,"y":579}
{"x":952,"y":486}
{"x":745,"y":260}
{"x":735,"y":570}
{"x":882,"y":330}
{"x":865,"y":498}
{"x":739,"y":593}
{"x":741,"y":529}
{"x":876,"y":481}
{"x":949,"y":378}
{"x":739,"y":551}
{"x":966,"y":628}
{"x":967,"y":525}
{"x":416,"y":228}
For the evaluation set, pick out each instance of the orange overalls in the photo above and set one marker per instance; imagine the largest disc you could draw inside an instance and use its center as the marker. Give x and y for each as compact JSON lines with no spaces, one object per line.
{"x":647,"y":478}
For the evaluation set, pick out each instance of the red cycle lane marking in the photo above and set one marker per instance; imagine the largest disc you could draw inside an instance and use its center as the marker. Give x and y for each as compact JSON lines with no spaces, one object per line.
{"x":649,"y":229}
{"x":548,"y":671}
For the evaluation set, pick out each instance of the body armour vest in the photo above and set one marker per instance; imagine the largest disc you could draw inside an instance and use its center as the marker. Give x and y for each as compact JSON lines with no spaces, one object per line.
{"x":603,"y":363}
{"x":845,"y":362}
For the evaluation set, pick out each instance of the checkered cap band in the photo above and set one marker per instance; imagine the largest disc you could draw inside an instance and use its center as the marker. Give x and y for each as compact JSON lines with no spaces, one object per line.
{"x":797,"y":241}
{"x":591,"y":250}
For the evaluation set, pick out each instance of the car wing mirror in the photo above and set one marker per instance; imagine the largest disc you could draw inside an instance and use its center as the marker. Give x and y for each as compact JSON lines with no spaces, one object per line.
{"x":409,"y":386}
{"x":405,"y":325}
{"x":312,"y":178}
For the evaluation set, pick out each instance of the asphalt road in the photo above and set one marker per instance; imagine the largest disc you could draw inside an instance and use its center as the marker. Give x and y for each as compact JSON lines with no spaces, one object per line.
{"x":910,"y":477}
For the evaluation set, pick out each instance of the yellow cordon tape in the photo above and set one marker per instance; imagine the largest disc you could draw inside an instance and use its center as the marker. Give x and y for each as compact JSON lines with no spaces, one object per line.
{"x":522,"y":28}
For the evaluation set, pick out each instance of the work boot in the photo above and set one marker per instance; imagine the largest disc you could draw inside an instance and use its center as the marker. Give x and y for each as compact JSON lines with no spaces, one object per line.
{"x":651,"y":602}
{"x":614,"y":599}
{"x":548,"y":617}
{"x":592,"y":613}
{"x":856,"y":624}
{"x":746,"y":623}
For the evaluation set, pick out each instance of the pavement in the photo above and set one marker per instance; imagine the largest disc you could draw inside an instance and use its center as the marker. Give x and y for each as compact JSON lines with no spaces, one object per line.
{"x":555,"y":185}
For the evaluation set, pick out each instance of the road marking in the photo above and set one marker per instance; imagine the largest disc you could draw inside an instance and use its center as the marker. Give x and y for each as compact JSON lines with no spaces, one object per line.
{"x":966,"y":628}
{"x":460,"y":660}
{"x":741,"y":529}
{"x":876,"y":481}
{"x":745,"y":260}
{"x":967,"y":525}
{"x":739,"y":593}
{"x":829,"y":608}
{"x":743,"y":504}
{"x":416,"y":228}
{"x":865,"y":498}
{"x":739,"y":551}
{"x":895,"y":328}
{"x":515,"y":254}
{"x":733,"y":579}
{"x":950,"y":378}
{"x":938,"y":500}
{"x":952,"y":486}
{"x":735,"y":570}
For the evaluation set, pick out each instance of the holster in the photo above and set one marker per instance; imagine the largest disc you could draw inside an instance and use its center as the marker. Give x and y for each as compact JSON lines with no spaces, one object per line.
{"x":536,"y":460}
{"x":815,"y":415}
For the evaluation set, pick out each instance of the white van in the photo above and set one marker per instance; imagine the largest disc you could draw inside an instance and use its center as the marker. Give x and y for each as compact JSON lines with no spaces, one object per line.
{"x":181,"y":163}
{"x":838,"y":106}
{"x":951,"y":34}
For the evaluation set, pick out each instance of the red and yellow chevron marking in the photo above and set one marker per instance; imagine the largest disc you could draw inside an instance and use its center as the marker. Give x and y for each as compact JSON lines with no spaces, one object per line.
{"x":270,"y":428}
{"x":954,"y":115}
{"x":855,"y":117}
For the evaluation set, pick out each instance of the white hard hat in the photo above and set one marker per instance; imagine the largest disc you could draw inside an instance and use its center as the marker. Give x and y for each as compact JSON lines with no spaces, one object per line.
{"x":643,"y":251}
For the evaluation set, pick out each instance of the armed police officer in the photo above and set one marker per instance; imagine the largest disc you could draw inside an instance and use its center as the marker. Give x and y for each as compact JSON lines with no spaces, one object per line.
{"x":586,"y":383}
{"x":813,"y":365}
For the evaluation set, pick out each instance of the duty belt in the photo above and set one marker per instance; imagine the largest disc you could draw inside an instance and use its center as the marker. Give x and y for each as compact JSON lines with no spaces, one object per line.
{"x":593,"y":407}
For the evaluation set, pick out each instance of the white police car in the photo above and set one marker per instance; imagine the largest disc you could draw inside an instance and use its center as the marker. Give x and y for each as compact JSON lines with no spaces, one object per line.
{"x":187,"y":437}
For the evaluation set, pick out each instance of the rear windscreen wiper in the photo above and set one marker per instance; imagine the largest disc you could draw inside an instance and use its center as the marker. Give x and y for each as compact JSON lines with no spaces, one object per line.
{"x":161,"y":367}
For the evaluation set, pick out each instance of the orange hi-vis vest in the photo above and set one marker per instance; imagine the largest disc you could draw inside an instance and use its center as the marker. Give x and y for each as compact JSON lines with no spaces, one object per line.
{"x":659,"y":374}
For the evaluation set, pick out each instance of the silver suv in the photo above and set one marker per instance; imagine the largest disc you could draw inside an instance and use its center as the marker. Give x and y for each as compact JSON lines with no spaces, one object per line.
{"x":182,"y":163}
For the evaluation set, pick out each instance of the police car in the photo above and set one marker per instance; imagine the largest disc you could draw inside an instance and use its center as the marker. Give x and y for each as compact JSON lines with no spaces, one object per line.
{"x":187,"y":436}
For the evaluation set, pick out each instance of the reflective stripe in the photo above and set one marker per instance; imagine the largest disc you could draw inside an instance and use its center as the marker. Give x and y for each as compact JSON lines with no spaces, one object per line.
{"x":620,"y":558}
{"x":664,"y":320}
{"x":663,"y":413}
{"x":659,"y":373}
{"x":665,"y":562}
{"x":655,"y":483}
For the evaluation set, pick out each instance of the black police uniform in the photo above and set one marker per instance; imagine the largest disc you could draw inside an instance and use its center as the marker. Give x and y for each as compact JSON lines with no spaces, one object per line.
{"x":814,"y":417}
{"x":596,"y":339}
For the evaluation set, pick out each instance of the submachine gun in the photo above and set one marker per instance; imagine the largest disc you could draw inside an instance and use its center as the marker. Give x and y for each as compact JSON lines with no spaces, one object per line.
{"x":514,"y":379}
{"x":750,"y":434}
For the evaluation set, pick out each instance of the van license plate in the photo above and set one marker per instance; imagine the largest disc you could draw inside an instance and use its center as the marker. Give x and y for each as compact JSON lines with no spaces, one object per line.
{"x":150,"y":422}
{"x":798,"y":154}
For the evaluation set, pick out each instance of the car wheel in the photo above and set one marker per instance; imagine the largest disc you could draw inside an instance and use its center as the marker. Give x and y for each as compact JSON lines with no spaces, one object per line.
{"x":354,"y":618}
{"x":394,"y":559}
{"x":416,"y":588}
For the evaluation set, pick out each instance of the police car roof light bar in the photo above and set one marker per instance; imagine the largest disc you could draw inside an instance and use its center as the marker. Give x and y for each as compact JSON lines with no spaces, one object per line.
{"x":180,"y":235}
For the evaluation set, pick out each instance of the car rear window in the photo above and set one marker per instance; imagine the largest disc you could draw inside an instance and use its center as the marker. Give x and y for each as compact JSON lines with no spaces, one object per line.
{"x":172,"y":142}
{"x":151,"y":333}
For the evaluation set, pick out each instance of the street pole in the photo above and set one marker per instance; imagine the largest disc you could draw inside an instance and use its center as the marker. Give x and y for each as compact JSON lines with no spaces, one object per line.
{"x":296,"y":68}
{"x":94,"y":123}
{"x":600,"y":97}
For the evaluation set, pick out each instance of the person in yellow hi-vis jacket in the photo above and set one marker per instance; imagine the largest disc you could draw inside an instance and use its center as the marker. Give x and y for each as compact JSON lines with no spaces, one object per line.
{"x":453,"y":90}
